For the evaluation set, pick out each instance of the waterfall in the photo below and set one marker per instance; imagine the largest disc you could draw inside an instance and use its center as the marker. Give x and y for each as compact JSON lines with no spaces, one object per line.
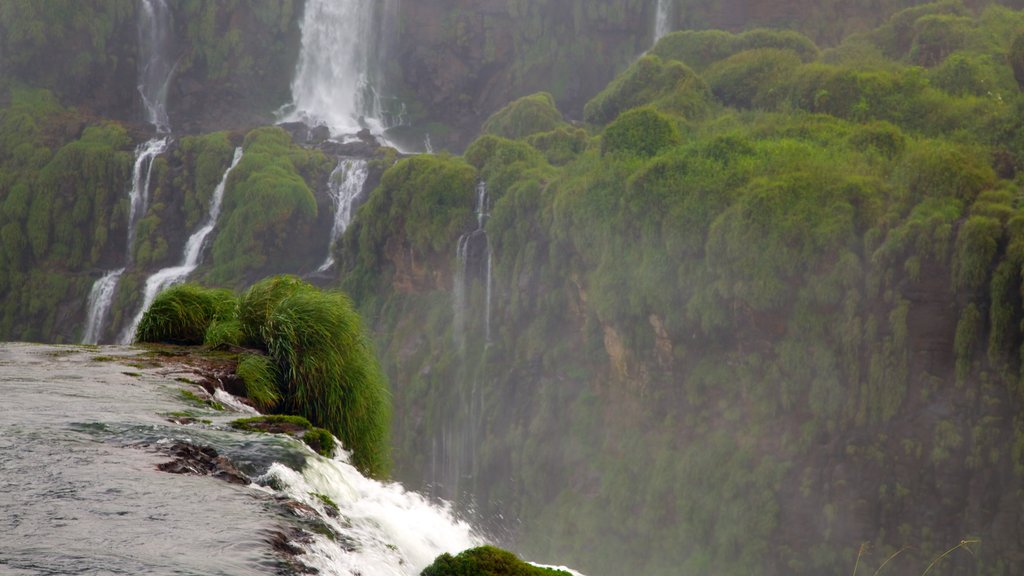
{"x":662,"y":19}
{"x":345,"y":185}
{"x":386,"y":529}
{"x":142,"y":173}
{"x":190,"y":259}
{"x":155,"y":68}
{"x":100,"y":298}
{"x":460,"y":284}
{"x":338,"y":80}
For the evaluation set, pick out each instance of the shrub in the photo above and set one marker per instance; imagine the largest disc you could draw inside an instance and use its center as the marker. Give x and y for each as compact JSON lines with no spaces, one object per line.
{"x":750,"y":78}
{"x":485,"y":561}
{"x":669,"y":86}
{"x":182,"y":314}
{"x":226,"y":332}
{"x":525,"y":116}
{"x":641,"y":131}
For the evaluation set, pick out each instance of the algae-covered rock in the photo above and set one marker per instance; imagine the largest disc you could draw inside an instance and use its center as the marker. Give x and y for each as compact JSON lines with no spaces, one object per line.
{"x":485,"y":561}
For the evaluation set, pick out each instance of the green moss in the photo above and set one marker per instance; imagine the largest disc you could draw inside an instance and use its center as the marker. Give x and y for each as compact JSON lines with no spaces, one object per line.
{"x":192,"y":398}
{"x":485,"y":561}
{"x":752,"y":78}
{"x":320,"y":440}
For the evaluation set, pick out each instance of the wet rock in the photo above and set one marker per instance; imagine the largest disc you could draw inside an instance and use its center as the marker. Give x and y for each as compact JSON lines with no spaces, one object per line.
{"x":202,"y":461}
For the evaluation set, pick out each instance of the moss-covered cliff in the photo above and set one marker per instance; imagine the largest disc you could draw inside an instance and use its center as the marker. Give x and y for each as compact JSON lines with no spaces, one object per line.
{"x":765,"y":310}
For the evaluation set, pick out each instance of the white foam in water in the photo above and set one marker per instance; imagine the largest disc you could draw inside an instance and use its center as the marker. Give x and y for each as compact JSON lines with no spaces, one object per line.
{"x":345,"y":184}
{"x":233,"y":402}
{"x":395,"y":532}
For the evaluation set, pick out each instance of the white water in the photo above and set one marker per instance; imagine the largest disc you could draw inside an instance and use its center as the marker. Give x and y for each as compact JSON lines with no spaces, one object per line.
{"x":662,"y":19}
{"x":191,"y":258}
{"x":345,"y":185}
{"x":100,"y":298}
{"x":155,"y":68}
{"x":393,"y":532}
{"x":338,"y":77}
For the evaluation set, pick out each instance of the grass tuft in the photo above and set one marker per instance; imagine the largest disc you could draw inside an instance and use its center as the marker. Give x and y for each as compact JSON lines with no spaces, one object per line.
{"x":182,"y":314}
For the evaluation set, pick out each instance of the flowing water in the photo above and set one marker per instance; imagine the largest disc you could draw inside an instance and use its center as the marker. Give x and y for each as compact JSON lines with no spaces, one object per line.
{"x":662,"y":19}
{"x":339,"y":77}
{"x":82,"y":432}
{"x":155,"y":68}
{"x":472,"y":242}
{"x":101,"y":297}
{"x":191,"y":258}
{"x":345,"y":185}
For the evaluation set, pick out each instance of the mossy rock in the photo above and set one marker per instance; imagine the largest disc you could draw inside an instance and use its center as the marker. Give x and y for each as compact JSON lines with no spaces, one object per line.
{"x":641,"y":131}
{"x":669,"y":86}
{"x":486,"y":561}
{"x":320,"y":440}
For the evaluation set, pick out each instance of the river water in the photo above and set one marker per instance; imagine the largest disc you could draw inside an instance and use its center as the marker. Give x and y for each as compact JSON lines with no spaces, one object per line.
{"x":82,"y":431}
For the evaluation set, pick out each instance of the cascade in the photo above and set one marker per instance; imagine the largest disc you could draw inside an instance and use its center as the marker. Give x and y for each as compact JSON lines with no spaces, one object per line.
{"x":155,"y":69}
{"x":100,"y":298}
{"x":338,"y":79}
{"x":662,"y":19}
{"x":154,"y":75}
{"x":190,"y":259}
{"x":345,"y":185}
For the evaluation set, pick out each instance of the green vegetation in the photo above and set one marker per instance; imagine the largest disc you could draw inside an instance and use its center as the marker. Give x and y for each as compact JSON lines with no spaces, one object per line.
{"x":756,"y":251}
{"x":525,"y":116}
{"x":320,"y":440}
{"x":485,"y":561}
{"x":269,"y":209}
{"x":182,"y":314}
{"x":314,"y":359}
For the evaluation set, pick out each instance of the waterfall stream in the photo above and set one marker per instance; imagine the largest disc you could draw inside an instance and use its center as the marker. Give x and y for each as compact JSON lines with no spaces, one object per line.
{"x":191,"y":258}
{"x":154,"y":77}
{"x":345,"y":184}
{"x":662,"y":19}
{"x":339,"y":77}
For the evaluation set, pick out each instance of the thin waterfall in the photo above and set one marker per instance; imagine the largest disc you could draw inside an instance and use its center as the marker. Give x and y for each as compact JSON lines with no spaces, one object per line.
{"x":339,"y":78}
{"x":345,"y":185}
{"x":191,"y":258}
{"x":100,"y":298}
{"x":662,"y":19}
{"x":461,"y":282}
{"x":154,"y":76}
{"x":155,"y":68}
{"x":142,"y":174}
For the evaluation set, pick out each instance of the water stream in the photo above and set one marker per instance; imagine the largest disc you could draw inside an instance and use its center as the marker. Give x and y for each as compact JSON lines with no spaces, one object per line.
{"x":155,"y":68}
{"x":191,"y":258}
{"x":83,"y":432}
{"x":345,"y":185}
{"x":662,"y":19}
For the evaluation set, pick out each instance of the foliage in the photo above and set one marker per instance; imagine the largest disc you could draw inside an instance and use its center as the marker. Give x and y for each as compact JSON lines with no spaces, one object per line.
{"x":268,"y":209}
{"x":484,"y":561}
{"x":261,"y":381}
{"x":326,"y":368}
{"x":669,"y":86}
{"x":640,"y":131}
{"x":183,"y":313}
{"x":525,"y":116}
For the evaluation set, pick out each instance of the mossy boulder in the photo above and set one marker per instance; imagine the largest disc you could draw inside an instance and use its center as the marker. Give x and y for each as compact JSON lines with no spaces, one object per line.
{"x":485,"y":561}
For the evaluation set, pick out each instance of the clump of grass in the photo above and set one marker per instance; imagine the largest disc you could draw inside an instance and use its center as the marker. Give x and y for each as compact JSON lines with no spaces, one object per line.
{"x":330,"y":374}
{"x":182,"y":314}
{"x":260,"y":376}
{"x":223,"y":333}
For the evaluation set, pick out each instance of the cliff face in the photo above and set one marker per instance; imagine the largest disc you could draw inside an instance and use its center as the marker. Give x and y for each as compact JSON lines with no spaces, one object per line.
{"x":760,"y":307}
